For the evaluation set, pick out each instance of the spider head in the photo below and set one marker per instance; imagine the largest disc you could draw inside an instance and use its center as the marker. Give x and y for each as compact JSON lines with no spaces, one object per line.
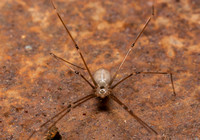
{"x":102,"y":91}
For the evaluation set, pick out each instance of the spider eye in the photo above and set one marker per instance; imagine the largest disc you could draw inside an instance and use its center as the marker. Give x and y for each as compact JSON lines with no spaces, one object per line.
{"x":102,"y":91}
{"x":101,"y":87}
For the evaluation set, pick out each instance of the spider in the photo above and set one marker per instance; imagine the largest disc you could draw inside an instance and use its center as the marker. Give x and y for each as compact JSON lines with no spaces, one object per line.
{"x":102,"y":82}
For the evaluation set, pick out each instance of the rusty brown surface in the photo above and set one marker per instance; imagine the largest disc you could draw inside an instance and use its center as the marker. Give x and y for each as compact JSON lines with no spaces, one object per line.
{"x":34,"y":86}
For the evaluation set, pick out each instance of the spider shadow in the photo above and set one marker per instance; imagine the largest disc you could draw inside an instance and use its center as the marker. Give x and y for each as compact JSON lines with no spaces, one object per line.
{"x":103,"y":104}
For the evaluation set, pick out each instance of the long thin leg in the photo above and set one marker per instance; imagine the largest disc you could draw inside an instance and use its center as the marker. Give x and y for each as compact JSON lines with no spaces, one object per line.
{"x":61,"y":59}
{"x":153,"y":8}
{"x":171,"y":79}
{"x":66,"y":108}
{"x":75,"y":44}
{"x":138,"y":36}
{"x":122,"y":80}
{"x":132,"y":114}
{"x":76,"y":72}
{"x":72,"y":107}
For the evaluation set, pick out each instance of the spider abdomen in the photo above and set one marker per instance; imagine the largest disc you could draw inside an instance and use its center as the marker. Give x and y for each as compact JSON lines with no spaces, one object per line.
{"x":102,"y":78}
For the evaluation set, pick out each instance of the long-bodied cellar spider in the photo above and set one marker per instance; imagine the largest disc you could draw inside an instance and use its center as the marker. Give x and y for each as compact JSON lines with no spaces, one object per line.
{"x":102,"y":81}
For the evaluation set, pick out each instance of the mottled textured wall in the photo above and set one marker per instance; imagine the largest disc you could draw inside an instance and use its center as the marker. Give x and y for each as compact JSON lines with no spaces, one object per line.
{"x":34,"y":86}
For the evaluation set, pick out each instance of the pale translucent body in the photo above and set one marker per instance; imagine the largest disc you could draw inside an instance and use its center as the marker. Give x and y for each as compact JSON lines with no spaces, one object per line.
{"x":102,"y":78}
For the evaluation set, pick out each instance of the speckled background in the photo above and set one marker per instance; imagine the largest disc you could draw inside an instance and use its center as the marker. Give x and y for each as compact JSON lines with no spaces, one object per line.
{"x":34,"y":86}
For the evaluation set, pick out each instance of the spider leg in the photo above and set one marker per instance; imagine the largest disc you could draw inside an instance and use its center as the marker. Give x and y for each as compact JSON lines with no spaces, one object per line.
{"x":169,"y":73}
{"x":67,"y":109}
{"x":74,"y":42}
{"x":148,"y":128}
{"x":63,"y":60}
{"x":171,"y":79}
{"x":133,"y":44}
{"x":73,"y":70}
